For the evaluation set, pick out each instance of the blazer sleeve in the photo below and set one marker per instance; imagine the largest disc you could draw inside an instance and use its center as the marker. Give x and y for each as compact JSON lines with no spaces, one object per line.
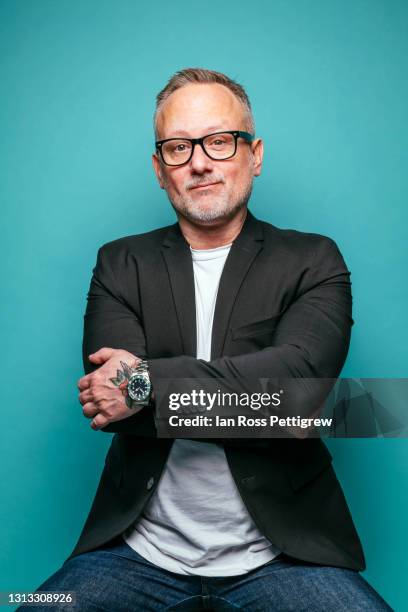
{"x":109,"y":321}
{"x":311,"y":339}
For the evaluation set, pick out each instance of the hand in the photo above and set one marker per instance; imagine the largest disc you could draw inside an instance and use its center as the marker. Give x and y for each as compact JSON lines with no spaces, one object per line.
{"x":103,"y":400}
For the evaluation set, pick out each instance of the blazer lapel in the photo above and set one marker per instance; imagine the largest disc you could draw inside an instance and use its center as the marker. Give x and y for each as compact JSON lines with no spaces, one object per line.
{"x":240,"y":258}
{"x":177,"y":256}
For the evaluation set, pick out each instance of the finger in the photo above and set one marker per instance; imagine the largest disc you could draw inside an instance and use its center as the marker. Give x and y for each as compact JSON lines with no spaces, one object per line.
{"x":102,"y":355}
{"x":89,"y":410}
{"x":99,"y":421}
{"x":84,"y":383}
{"x":85,"y":396}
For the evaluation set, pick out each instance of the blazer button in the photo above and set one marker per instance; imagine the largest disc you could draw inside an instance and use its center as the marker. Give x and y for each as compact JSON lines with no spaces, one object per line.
{"x":150,"y":483}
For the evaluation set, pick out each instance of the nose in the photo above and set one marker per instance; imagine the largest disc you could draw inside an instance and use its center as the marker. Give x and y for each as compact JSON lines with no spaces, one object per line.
{"x":200,"y":162}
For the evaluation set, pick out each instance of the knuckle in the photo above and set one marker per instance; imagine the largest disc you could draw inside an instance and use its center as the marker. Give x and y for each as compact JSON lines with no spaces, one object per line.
{"x":88,"y":409}
{"x":99,"y":422}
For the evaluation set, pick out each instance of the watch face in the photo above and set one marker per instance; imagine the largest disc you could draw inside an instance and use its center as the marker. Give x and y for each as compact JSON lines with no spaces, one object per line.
{"x":138,"y":388}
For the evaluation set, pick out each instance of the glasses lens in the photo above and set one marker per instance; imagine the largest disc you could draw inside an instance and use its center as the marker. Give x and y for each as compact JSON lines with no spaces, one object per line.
{"x":219,"y":146}
{"x":176,"y":151}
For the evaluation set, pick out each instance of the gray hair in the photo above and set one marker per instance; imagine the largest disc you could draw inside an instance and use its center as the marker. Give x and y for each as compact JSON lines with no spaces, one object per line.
{"x":189,"y":76}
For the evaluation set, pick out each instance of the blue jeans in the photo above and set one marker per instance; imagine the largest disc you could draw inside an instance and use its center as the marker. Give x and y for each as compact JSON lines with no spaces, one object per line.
{"x":115,"y":578}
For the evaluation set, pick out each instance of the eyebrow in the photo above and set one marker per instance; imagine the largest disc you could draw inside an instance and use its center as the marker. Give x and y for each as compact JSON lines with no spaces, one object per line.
{"x":210,"y":130}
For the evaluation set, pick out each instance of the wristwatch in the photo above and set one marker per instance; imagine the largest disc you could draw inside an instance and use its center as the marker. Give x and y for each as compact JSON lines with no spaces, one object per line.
{"x":134,"y":384}
{"x":139,"y":386}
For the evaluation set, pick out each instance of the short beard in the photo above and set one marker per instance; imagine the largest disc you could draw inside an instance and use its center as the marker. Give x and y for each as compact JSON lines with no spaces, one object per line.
{"x":197,"y":215}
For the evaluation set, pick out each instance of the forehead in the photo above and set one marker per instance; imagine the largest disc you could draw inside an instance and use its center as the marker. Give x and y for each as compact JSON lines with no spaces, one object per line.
{"x":199,"y":108}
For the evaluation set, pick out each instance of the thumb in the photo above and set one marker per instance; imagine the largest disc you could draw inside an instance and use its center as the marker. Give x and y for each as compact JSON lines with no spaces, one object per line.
{"x":102,"y":355}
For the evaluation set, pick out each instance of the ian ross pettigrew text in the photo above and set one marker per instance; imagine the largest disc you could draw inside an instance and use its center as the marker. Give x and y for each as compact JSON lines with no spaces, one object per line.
{"x":244,"y":421}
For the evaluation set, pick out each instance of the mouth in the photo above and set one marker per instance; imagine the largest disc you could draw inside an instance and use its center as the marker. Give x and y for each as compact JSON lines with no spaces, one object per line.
{"x":206,"y":186}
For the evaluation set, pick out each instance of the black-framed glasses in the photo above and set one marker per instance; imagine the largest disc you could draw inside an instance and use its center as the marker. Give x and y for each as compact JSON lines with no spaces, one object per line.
{"x":217,"y":146}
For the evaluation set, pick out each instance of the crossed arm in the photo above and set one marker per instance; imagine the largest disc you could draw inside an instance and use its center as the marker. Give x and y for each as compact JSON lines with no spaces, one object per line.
{"x":310,"y":341}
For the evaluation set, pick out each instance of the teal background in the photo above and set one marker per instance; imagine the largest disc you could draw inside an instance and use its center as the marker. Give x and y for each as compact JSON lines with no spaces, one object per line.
{"x":328,"y":84}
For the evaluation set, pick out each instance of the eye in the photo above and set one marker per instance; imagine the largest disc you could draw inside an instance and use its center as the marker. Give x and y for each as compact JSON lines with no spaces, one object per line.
{"x":217,"y":142}
{"x":177,"y":147}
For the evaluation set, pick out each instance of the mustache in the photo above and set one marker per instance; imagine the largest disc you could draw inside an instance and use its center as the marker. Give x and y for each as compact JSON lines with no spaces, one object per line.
{"x":215,"y":178}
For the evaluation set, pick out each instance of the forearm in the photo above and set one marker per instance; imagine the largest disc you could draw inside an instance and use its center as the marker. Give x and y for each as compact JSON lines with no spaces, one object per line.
{"x":269,"y":371}
{"x":239,"y":374}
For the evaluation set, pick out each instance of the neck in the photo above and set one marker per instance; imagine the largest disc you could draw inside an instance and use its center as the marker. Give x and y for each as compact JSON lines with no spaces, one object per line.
{"x":213,"y":235}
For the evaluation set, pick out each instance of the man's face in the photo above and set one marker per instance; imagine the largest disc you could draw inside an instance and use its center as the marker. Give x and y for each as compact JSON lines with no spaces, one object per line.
{"x":203,"y":190}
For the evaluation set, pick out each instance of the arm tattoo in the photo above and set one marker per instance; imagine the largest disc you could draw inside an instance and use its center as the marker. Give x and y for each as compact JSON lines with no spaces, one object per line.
{"x":121,"y":380}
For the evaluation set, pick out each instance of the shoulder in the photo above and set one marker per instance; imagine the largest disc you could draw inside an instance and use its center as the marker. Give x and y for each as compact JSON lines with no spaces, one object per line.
{"x":295,"y":243}
{"x":136,"y":243}
{"x":295,"y":239}
{"x":123,"y":253}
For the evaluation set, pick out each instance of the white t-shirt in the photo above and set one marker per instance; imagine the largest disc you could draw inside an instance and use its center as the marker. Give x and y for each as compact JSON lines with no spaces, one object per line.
{"x":196,"y":522}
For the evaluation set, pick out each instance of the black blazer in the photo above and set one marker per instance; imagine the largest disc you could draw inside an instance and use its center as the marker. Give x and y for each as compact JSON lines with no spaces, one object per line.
{"x":283,"y":310}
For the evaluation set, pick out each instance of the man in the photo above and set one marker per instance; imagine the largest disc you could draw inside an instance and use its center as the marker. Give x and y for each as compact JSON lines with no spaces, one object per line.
{"x":215,"y":524}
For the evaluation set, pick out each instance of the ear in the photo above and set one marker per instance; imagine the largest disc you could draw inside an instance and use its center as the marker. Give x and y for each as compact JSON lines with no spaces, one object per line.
{"x":257,"y":151}
{"x":158,"y":169}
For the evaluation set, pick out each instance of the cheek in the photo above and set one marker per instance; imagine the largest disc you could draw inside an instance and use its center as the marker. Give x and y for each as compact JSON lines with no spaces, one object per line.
{"x":175,"y":182}
{"x":238,"y":178}
{"x":241,"y":173}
